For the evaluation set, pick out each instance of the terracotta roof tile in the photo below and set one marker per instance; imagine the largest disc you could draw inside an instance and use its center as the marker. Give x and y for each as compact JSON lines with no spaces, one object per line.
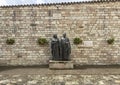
{"x":62,"y":3}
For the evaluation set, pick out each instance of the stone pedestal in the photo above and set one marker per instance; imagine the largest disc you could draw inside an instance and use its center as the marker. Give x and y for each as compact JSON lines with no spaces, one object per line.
{"x":61,"y":64}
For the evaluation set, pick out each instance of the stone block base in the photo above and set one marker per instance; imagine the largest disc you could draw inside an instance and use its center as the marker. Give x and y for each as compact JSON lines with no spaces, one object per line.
{"x":61,"y":64}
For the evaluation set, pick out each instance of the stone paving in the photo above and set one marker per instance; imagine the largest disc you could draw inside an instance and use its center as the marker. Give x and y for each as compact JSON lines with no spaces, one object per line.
{"x":34,"y":79}
{"x":45,"y":76}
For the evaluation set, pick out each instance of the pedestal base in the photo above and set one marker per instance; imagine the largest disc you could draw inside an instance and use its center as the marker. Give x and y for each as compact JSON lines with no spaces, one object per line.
{"x":61,"y":64}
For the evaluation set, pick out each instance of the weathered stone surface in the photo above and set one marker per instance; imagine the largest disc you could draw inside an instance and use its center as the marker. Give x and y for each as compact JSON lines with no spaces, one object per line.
{"x":95,"y":22}
{"x":61,"y":64}
{"x":88,"y":43}
{"x":34,"y":82}
{"x":35,"y":79}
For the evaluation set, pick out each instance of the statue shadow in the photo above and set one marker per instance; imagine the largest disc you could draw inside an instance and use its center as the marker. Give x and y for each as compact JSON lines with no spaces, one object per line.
{"x":96,"y":66}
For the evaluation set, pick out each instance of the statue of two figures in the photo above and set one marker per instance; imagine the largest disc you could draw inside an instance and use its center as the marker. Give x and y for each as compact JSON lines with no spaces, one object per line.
{"x":60,"y":49}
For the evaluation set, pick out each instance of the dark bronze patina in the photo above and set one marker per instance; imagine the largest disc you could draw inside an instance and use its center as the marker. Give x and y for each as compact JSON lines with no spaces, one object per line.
{"x":55,"y":48}
{"x":60,"y":49}
{"x":65,"y":48}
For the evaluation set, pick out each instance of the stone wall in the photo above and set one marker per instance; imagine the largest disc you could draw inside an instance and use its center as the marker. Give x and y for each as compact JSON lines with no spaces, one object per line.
{"x":94,"y":23}
{"x":60,"y":79}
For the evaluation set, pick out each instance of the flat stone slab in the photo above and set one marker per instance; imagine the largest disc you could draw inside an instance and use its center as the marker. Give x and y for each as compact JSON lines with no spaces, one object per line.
{"x":61,"y":64}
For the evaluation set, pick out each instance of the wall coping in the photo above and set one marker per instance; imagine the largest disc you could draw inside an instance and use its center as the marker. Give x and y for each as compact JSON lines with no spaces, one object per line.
{"x":62,"y":3}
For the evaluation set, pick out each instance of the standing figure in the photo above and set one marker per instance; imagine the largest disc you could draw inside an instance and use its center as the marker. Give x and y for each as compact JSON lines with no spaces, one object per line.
{"x":55,"y":48}
{"x":65,"y":48}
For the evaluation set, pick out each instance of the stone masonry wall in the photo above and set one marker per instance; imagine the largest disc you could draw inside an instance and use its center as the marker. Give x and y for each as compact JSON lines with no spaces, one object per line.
{"x":94,"y":23}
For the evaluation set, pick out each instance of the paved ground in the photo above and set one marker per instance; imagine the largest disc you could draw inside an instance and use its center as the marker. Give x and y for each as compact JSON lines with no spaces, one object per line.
{"x":47,"y":71}
{"x":81,"y":75}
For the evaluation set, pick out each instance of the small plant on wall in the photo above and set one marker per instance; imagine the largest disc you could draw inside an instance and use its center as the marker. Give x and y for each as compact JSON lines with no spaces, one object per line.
{"x":10,"y":41}
{"x":42,"y":41}
{"x":77,"y":41}
{"x":110,"y":41}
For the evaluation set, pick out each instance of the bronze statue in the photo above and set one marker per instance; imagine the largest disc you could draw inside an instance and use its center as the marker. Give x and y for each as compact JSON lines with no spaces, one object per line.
{"x":60,"y":49}
{"x":55,"y":48}
{"x":65,"y":48}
